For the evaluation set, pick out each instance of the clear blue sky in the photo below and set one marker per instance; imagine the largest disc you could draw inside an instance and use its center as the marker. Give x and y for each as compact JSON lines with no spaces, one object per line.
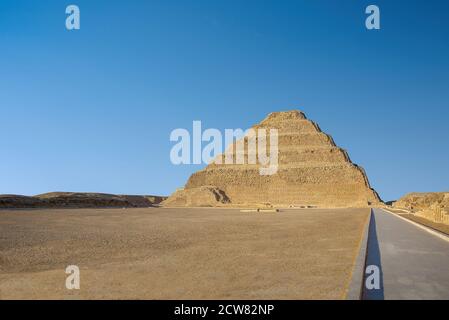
{"x":92,"y":110}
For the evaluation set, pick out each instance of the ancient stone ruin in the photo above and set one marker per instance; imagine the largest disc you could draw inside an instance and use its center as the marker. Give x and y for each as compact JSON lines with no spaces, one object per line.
{"x":312,"y":172}
{"x":430,"y":205}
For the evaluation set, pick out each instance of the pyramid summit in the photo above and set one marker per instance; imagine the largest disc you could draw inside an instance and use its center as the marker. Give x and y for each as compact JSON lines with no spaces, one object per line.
{"x":312,"y":171}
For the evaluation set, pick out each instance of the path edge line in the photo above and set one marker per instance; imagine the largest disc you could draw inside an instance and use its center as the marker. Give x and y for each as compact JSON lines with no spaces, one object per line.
{"x":355,"y":289}
{"x":429,"y":230}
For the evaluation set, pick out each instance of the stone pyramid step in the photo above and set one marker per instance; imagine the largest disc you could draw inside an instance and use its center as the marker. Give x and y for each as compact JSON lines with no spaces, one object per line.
{"x":311,"y":170}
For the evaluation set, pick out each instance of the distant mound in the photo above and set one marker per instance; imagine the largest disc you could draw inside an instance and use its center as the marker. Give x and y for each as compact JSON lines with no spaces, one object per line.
{"x":18,"y":201}
{"x":433,"y":206}
{"x":417,"y":201}
{"x":78,"y":200}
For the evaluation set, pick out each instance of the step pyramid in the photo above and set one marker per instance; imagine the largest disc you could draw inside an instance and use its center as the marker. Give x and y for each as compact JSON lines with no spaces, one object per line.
{"x":312,"y":172}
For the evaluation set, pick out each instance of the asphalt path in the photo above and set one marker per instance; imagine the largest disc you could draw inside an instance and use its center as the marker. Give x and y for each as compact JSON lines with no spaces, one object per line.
{"x":412,"y":263}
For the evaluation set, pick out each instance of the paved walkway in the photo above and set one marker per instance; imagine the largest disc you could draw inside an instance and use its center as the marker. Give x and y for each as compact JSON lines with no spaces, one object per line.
{"x":413,"y":263}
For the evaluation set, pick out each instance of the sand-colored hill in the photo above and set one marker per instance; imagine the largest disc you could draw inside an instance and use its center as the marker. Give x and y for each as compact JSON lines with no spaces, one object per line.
{"x":18,"y":201}
{"x":312,"y":171}
{"x":78,"y":200}
{"x":433,"y":206}
{"x":416,"y":201}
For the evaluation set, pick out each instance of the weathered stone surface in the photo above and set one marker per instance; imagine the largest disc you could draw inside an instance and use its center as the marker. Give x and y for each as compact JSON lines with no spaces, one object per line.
{"x":417,"y":201}
{"x":203,"y":196}
{"x":433,"y":206}
{"x":312,"y":171}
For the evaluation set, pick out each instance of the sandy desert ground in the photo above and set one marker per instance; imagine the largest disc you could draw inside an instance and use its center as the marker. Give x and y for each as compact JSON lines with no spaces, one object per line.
{"x":160,"y":253}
